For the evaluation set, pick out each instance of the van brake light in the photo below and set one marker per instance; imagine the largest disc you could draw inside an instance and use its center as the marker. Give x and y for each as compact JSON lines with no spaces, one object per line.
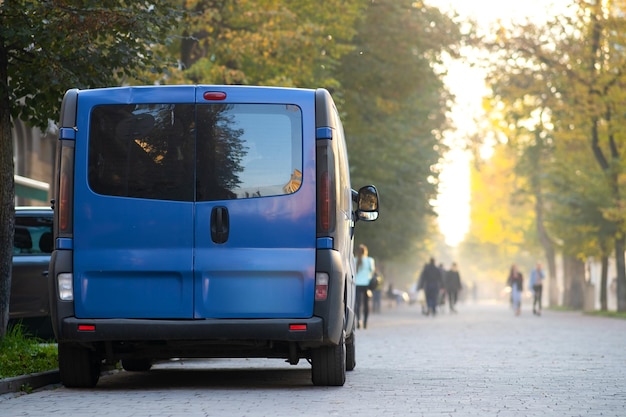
{"x":86,"y":328}
{"x":214,"y":95}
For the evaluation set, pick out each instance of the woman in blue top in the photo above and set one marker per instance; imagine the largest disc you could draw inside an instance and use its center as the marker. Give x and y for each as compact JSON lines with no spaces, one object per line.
{"x":365,"y":268}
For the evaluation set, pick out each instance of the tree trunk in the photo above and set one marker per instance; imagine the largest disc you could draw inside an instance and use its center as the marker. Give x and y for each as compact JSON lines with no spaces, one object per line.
{"x":553,"y":295}
{"x":574,"y":282}
{"x":542,"y":233}
{"x":567,"y":277}
{"x":604,"y":275}
{"x":621,"y":274}
{"x":7,"y":192}
{"x":548,"y":249}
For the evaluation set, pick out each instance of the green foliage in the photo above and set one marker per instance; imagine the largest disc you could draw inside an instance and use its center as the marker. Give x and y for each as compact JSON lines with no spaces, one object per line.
{"x":395,"y":108}
{"x":21,"y":354}
{"x":55,"y":45}
{"x":579,"y":200}
{"x":267,"y":42}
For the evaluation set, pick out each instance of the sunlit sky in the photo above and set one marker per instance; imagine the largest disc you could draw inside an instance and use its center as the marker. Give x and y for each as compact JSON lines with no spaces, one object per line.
{"x":467,"y":84}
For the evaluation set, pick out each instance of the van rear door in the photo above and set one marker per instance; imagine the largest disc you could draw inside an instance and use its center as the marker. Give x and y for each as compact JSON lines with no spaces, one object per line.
{"x":255,"y":211}
{"x":133,"y":216}
{"x":194,"y":205}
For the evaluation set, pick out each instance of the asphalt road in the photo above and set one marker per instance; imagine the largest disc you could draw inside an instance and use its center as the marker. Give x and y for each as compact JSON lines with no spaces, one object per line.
{"x":483,"y":361}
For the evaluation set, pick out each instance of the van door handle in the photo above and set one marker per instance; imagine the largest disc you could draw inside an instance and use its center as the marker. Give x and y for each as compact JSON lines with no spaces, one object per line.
{"x":220,"y":224}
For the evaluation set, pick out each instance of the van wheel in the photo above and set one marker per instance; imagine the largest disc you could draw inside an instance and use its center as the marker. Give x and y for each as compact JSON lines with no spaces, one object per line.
{"x":350,"y":353}
{"x":136,"y":365}
{"x":79,"y":367}
{"x":328,"y":365}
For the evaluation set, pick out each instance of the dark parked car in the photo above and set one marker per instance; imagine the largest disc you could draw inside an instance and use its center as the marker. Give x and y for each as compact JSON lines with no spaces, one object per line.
{"x":32,"y":247}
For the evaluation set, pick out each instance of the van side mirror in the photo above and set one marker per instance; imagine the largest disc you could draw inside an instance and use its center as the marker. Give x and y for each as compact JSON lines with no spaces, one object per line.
{"x":367,"y":203}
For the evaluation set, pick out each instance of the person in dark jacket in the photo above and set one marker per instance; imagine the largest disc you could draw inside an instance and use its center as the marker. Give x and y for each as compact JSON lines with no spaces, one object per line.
{"x":431,"y":282}
{"x":453,"y":286}
{"x":516,"y":282}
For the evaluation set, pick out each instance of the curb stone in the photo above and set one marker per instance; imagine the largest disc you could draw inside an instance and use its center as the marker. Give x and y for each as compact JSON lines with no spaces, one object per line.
{"x":32,"y":381}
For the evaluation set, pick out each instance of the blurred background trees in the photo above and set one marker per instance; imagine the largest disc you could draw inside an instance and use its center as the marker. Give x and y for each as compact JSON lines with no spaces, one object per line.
{"x":559,"y":91}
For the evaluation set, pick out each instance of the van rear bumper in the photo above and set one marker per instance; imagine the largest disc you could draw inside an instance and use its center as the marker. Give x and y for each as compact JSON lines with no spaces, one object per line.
{"x":306,"y":331}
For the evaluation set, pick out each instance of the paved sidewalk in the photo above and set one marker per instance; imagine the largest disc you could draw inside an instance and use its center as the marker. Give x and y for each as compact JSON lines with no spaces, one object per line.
{"x":483,"y":361}
{"x":486,"y":361}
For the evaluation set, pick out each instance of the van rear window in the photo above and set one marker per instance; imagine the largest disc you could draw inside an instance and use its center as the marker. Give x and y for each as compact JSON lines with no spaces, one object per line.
{"x":188,"y":152}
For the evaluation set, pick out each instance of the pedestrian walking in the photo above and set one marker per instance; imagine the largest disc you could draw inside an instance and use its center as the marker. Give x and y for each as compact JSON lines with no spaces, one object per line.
{"x":376,"y":288}
{"x":365,"y":267}
{"x":453,"y":286}
{"x":516,"y":282}
{"x":441,"y":297}
{"x":430,"y":281}
{"x":536,"y":285}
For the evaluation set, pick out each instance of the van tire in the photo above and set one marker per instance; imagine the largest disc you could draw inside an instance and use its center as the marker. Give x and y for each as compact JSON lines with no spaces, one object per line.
{"x":136,"y":365}
{"x":78,"y":366}
{"x":328,"y":364}
{"x":350,"y":353}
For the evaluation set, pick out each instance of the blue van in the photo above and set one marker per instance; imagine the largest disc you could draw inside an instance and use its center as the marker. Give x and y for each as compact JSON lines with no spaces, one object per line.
{"x":203,"y":221}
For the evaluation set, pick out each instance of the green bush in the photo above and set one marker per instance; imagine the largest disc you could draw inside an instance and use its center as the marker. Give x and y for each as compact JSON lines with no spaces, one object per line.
{"x":21,"y":354}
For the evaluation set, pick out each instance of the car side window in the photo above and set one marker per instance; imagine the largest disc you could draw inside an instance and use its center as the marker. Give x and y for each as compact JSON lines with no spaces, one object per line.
{"x":32,"y":236}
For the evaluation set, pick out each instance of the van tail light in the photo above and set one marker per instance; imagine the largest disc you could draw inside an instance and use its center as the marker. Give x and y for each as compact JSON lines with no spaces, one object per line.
{"x":321,"y":286}
{"x":65,"y":183}
{"x":64,"y":193}
{"x":324,"y":202}
{"x":325,"y":188}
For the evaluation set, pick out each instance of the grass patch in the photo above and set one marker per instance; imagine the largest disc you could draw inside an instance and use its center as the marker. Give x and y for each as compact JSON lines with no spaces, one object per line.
{"x":612,"y":314}
{"x":597,"y":313}
{"x":561,"y":308}
{"x":21,"y":354}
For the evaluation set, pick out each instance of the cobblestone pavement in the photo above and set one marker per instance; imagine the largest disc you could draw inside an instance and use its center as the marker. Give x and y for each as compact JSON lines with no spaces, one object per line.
{"x":483,"y":361}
